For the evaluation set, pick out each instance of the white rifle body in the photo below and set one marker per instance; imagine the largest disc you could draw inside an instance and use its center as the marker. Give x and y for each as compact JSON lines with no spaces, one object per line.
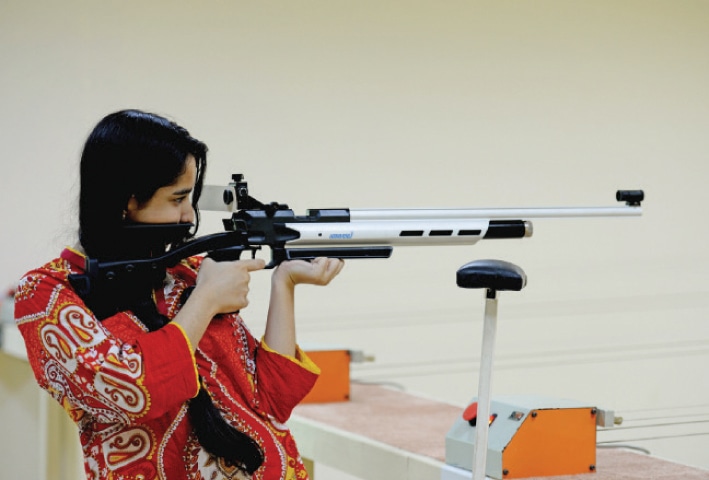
{"x":390,"y":227}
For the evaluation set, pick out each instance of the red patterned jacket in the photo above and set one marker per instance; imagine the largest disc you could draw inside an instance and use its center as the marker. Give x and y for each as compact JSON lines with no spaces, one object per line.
{"x":127,"y":389}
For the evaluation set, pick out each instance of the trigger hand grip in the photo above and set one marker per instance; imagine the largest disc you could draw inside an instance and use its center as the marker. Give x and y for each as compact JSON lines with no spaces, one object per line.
{"x":226,"y":254}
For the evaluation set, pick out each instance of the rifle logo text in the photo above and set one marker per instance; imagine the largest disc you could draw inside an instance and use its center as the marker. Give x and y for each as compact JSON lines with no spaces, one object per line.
{"x":341,"y":236}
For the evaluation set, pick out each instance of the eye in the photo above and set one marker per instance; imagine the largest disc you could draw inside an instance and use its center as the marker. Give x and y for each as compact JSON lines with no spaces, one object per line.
{"x":179,"y":200}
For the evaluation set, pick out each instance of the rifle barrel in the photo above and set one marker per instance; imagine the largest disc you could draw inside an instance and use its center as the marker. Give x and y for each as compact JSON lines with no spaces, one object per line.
{"x":492,"y":213}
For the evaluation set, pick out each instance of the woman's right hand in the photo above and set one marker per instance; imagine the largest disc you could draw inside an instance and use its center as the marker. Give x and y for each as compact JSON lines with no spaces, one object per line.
{"x":226,"y":284}
{"x":222,"y":287}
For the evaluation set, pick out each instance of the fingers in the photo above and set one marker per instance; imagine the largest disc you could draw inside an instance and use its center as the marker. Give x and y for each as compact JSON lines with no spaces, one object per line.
{"x":253,"y":264}
{"x":249,"y":265}
{"x":320,"y":271}
{"x":227,"y":283}
{"x":338,"y":265}
{"x":331,"y":266}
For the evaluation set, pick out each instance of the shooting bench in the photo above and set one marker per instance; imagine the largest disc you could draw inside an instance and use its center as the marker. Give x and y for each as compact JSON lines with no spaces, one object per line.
{"x":383,"y":434}
{"x":386,"y":434}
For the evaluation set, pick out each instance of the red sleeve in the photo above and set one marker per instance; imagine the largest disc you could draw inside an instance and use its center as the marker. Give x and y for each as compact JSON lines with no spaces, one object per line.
{"x":87,"y":368}
{"x":283,"y":381}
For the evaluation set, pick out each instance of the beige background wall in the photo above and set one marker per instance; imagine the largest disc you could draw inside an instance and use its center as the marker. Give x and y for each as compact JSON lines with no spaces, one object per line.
{"x":403,"y":104}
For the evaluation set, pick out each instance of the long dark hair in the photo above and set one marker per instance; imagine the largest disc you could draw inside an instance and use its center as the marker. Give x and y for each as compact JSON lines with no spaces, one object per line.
{"x":131,"y":153}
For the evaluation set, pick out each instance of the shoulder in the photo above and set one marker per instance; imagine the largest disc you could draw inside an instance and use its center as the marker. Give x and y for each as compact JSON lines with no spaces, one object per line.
{"x":50,"y":274}
{"x":42,"y":287}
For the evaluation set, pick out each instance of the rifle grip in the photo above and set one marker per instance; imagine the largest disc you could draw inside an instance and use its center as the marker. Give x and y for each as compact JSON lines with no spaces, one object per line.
{"x":226,"y":254}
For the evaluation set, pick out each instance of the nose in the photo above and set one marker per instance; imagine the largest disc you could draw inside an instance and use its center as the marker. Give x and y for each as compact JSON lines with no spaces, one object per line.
{"x":187,"y":215}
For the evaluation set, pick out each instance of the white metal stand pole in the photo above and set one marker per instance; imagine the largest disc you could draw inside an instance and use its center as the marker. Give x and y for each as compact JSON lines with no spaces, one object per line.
{"x":482,"y":425}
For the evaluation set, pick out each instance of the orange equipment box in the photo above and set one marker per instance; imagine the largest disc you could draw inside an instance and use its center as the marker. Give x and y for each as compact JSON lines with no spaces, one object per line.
{"x":333,"y":385}
{"x":529,"y":437}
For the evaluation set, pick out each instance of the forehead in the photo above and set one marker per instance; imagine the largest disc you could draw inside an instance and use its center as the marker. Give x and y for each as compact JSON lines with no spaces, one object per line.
{"x":184,"y":183}
{"x":189,"y":174}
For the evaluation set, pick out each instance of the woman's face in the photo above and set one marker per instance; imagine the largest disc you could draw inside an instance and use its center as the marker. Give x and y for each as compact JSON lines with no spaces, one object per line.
{"x":170,"y":204}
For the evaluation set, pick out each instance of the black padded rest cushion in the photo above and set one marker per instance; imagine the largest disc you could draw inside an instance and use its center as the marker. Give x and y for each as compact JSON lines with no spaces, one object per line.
{"x":491,"y":274}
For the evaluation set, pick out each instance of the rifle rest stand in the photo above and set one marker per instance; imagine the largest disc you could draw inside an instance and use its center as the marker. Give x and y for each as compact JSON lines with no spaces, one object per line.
{"x":492,"y":275}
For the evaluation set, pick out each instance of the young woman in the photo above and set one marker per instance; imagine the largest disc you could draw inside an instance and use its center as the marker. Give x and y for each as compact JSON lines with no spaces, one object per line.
{"x":164,"y":380}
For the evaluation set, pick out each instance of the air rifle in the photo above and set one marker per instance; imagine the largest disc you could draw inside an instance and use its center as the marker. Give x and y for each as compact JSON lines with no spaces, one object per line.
{"x":338,"y":233}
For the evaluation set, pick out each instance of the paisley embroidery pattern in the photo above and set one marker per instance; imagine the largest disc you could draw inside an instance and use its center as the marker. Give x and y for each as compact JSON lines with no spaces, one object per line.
{"x":72,"y":343}
{"x":126,"y":447}
{"x":83,"y":328}
{"x":128,"y":390}
{"x":59,"y":346}
{"x":124,"y":395}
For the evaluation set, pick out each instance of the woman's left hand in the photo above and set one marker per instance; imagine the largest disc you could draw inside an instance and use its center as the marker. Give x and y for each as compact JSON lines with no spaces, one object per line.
{"x":319,"y":271}
{"x":280,"y":323}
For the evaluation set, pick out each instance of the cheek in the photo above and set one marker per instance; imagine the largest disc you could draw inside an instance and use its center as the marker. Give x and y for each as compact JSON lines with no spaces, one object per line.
{"x":156,"y":214}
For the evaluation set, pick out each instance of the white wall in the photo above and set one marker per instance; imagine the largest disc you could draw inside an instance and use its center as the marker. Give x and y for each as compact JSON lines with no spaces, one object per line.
{"x":396,"y":104}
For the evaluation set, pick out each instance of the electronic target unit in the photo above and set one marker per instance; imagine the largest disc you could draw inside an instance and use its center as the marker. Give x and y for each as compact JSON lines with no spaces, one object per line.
{"x":528,"y":437}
